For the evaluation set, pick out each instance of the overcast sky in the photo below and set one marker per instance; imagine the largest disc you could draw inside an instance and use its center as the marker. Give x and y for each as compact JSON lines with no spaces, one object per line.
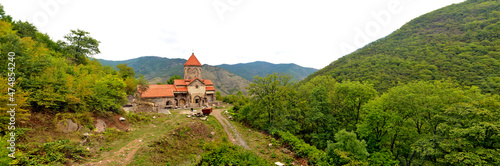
{"x":310,"y":33}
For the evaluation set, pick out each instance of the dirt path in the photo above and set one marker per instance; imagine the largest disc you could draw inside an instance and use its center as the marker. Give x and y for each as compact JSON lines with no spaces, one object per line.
{"x":122,"y":156}
{"x":233,"y":135}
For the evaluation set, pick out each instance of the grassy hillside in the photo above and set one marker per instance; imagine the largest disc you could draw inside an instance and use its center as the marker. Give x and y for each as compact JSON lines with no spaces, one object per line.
{"x":225,"y":81}
{"x":250,"y":70}
{"x":459,"y":42}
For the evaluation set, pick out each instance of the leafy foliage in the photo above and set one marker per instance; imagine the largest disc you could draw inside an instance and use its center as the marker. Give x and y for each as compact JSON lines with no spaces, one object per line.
{"x":81,"y":45}
{"x":171,"y":79}
{"x":225,"y":154}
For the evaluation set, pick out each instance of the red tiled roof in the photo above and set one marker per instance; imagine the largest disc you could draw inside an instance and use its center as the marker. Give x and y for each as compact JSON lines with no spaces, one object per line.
{"x":159,"y":91}
{"x":192,"y":61}
{"x":209,"y":88}
{"x":208,"y":82}
{"x":191,"y":81}
{"x":179,"y":82}
{"x":182,"y":89}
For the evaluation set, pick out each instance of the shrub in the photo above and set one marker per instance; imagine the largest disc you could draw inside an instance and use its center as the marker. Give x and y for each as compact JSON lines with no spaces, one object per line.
{"x":226,"y":154}
{"x":53,"y":152}
{"x":302,"y":149}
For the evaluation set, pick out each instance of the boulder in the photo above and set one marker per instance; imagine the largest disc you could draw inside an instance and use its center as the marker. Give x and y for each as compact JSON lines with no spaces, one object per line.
{"x":100,"y":126}
{"x":67,"y":126}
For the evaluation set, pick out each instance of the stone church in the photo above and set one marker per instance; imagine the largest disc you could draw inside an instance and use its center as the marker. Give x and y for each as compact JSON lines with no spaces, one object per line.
{"x":192,"y":91}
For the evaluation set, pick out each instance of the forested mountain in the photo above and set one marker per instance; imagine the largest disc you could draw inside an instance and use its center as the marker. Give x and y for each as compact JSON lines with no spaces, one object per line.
{"x":460,"y":42}
{"x":159,"y":70}
{"x":250,"y":70}
{"x":427,"y":94}
{"x":155,"y":69}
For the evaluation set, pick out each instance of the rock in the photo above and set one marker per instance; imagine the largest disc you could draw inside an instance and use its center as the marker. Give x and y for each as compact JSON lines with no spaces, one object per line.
{"x":230,"y":117}
{"x":270,"y":145}
{"x":204,"y":118}
{"x":285,"y":150}
{"x":154,"y":117}
{"x":67,"y":126}
{"x":188,"y":116}
{"x":249,"y":130}
{"x":100,"y":126}
{"x":213,"y":133}
{"x":122,"y":119}
{"x":279,"y":163}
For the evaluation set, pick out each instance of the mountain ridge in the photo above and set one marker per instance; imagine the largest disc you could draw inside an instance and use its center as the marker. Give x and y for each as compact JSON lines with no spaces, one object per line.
{"x":262,"y":68}
{"x":459,"y":42}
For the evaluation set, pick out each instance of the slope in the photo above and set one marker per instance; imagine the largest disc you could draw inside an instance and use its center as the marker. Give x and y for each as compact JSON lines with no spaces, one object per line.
{"x":250,"y":70}
{"x":459,"y":42}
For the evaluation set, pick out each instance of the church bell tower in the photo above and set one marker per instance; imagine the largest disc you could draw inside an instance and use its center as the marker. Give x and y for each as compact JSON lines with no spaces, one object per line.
{"x":192,"y":68}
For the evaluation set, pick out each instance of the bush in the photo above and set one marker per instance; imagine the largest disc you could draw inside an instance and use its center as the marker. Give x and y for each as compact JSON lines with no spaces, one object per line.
{"x":53,"y":152}
{"x":226,"y":154}
{"x":138,"y":118}
{"x":302,"y":149}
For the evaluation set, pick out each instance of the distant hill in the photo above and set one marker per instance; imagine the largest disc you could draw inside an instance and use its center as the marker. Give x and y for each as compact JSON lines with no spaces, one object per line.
{"x":158,"y":69}
{"x":225,"y":81}
{"x":250,"y":70}
{"x":154,"y":69}
{"x":460,"y":42}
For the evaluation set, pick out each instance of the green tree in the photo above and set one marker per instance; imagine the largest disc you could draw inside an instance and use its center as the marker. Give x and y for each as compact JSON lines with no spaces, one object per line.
{"x":348,"y":98}
{"x":109,"y":94}
{"x":128,"y":75}
{"x":124,"y":71}
{"x":25,"y":29}
{"x":218,"y":96}
{"x":4,"y":16}
{"x":318,"y":119}
{"x":172,"y":78}
{"x":347,"y":144}
{"x":81,"y":45}
{"x":431,"y":123}
{"x":269,"y":95}
{"x":143,"y":84}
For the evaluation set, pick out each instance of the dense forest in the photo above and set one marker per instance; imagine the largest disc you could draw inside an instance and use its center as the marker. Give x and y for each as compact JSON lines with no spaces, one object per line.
{"x":56,"y":78}
{"x":428,"y":94}
{"x":460,"y":42}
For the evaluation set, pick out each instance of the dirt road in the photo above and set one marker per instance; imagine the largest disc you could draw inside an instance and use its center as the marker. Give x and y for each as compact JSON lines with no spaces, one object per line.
{"x":231,"y":131}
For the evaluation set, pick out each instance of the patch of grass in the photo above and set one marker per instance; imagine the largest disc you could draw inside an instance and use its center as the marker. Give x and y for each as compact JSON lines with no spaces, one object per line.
{"x":82,"y":118}
{"x":259,"y":144}
{"x":182,"y":145}
{"x":141,"y":117}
